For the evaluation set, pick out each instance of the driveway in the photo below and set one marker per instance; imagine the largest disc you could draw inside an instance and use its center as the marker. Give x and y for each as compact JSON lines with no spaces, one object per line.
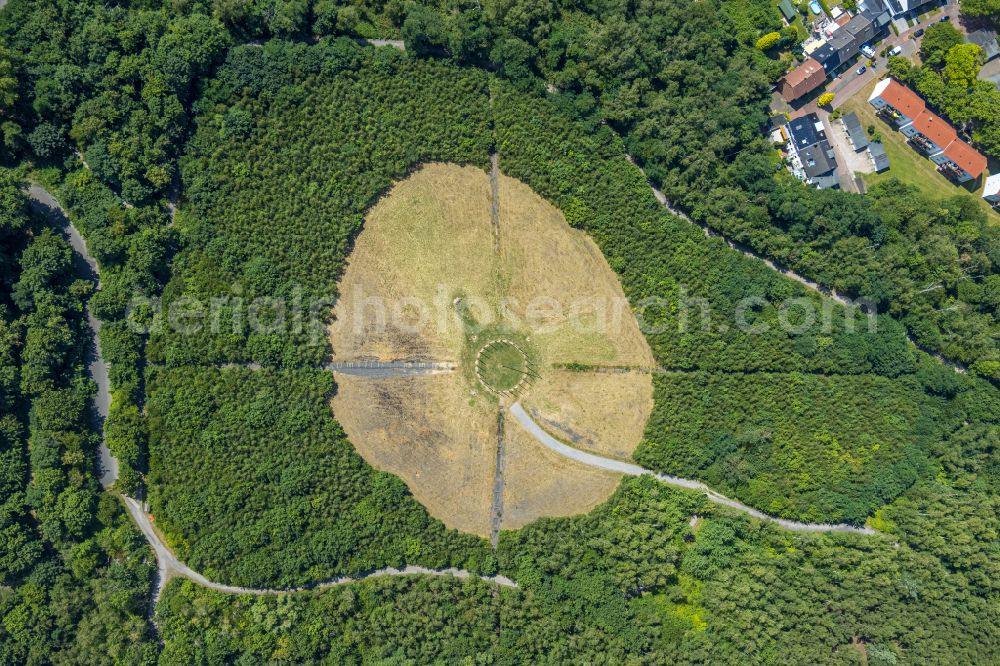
{"x":849,"y":161}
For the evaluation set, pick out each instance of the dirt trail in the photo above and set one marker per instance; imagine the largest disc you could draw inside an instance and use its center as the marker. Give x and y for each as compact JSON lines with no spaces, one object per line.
{"x":168,"y":566}
{"x":746,"y":251}
{"x":631,"y":469}
{"x":496,"y":506}
{"x":381,"y":369}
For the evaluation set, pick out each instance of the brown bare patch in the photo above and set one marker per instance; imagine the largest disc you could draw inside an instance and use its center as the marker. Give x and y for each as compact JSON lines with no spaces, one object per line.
{"x":425,"y":431}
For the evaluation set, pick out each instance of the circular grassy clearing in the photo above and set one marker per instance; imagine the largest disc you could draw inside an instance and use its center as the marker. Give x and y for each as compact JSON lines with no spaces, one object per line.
{"x":501,"y":366}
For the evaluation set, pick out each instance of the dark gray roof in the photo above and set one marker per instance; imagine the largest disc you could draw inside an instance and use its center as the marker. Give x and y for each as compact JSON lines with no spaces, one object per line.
{"x":846,"y":42}
{"x":827,"y":56}
{"x":877,"y":152}
{"x":987,"y":41}
{"x":861,"y":27}
{"x":810,"y":143}
{"x":818,"y":159}
{"x":881,"y":21}
{"x":871,"y":8}
{"x":803,"y":130}
{"x":858,"y":136}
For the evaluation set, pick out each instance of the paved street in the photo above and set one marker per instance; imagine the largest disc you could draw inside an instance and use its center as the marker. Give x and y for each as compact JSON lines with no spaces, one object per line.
{"x":849,"y":83}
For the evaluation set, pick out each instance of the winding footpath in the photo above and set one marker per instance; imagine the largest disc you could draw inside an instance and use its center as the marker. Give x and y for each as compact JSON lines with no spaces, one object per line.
{"x":44,"y":203}
{"x":591,"y":460}
{"x":168,"y":566}
{"x":746,"y":251}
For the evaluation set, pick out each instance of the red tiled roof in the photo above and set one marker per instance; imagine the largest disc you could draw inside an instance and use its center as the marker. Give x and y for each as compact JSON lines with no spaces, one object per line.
{"x":966,"y":157}
{"x":935,"y":129}
{"x":807,"y":76}
{"x":903,"y":99}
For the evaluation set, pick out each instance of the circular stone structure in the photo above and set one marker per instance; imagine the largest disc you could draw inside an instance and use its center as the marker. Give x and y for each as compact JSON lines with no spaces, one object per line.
{"x":502,"y":367}
{"x":504,"y":290}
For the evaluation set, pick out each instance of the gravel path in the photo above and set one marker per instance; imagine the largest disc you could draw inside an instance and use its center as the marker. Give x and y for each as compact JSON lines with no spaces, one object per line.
{"x":169,"y":567}
{"x":631,"y":469}
{"x":45,"y":204}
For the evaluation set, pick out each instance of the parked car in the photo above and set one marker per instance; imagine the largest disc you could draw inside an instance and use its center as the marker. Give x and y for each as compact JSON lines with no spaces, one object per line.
{"x":919,"y":33}
{"x":861,"y":70}
{"x":895,"y":50}
{"x":944,"y":18}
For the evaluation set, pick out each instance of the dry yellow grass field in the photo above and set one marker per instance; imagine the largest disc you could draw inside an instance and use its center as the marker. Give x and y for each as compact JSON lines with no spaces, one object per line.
{"x":551,"y":264}
{"x":424,"y":431}
{"x":426,"y":240}
{"x":430,"y":241}
{"x":539,"y":482}
{"x":601,"y":413}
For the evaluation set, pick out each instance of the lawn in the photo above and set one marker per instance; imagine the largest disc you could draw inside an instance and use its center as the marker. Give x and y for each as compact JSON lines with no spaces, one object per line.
{"x":501,"y":366}
{"x":906,"y":164}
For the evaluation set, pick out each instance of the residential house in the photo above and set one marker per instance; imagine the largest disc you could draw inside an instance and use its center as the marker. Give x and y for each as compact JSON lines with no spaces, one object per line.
{"x":912,"y":8}
{"x":992,"y":190}
{"x":803,"y":79}
{"x":811,"y":154}
{"x":896,"y":103}
{"x":857,"y":135}
{"x":827,"y":56}
{"x":846,"y":37}
{"x":987,"y":41}
{"x":963,"y":162}
{"x":930,"y":133}
{"x":879,"y":15}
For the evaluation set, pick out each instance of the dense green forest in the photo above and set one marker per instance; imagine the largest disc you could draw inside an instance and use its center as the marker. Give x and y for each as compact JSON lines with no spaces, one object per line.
{"x":794,"y":445}
{"x":75,"y":574}
{"x":254,"y":483}
{"x":394,"y":621}
{"x":636,"y":582}
{"x":277,"y":148}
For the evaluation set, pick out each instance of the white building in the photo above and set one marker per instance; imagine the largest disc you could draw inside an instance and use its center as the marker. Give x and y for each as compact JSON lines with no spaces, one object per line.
{"x":992,"y":190}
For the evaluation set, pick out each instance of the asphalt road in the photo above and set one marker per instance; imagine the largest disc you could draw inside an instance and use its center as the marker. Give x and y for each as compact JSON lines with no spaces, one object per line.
{"x":591,"y":460}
